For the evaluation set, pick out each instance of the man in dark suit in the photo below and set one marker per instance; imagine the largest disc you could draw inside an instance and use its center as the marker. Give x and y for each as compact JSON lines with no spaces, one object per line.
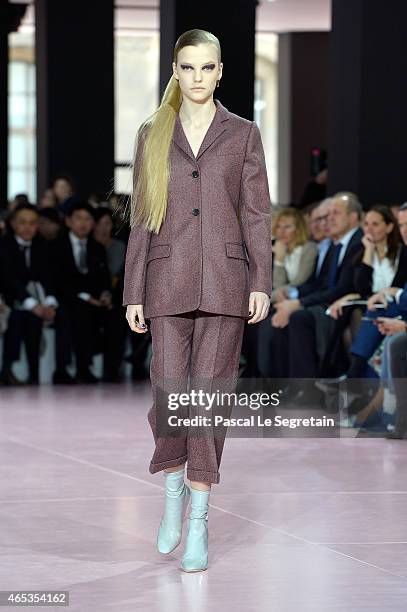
{"x":302,"y":330}
{"x":83,"y":289}
{"x":28,"y":289}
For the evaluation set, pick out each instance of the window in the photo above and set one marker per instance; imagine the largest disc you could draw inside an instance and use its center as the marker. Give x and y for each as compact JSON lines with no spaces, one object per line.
{"x":137,"y":47}
{"x":22,"y":114}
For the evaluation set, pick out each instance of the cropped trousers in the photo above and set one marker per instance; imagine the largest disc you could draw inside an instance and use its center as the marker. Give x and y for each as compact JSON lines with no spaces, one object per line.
{"x":197,"y":351}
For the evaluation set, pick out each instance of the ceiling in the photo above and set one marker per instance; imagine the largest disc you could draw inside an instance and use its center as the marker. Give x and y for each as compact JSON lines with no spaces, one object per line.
{"x":294,"y":15}
{"x":275,"y":16}
{"x":272,"y":16}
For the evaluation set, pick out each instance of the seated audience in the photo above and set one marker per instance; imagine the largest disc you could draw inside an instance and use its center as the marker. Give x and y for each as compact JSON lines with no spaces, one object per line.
{"x":302,"y":331}
{"x":49,"y":223}
{"x":48,"y":199}
{"x":393,"y":304}
{"x":294,"y":254}
{"x":28,"y":289}
{"x":392,"y":367}
{"x":389,"y":302}
{"x":115,"y":249}
{"x":116,"y":255}
{"x":83,"y":287}
{"x":383,"y":262}
{"x":294,"y":262}
{"x":395,"y":332}
{"x":64,"y":191}
{"x":316,"y":216}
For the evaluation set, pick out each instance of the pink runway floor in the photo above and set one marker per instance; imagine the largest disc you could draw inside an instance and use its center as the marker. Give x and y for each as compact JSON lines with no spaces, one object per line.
{"x":301,"y":525}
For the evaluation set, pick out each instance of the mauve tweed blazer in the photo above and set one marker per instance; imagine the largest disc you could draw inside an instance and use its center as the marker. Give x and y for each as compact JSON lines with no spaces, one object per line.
{"x":203,"y":257}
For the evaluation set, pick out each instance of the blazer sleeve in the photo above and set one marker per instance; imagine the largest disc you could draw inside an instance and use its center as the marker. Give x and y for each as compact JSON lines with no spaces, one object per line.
{"x":255,"y":213}
{"x":363,"y":276}
{"x":403,"y":300}
{"x":14,"y":287}
{"x":137,"y":251}
{"x":400,"y":278}
{"x":345,"y":283}
{"x":102,"y":277}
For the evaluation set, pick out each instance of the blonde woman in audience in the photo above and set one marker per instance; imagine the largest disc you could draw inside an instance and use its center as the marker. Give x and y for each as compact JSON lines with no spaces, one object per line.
{"x":294,"y":254}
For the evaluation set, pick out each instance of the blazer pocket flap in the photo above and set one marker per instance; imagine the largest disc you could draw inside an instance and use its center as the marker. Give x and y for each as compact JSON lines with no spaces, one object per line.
{"x":235,"y":249}
{"x":231,"y":151}
{"x":158,"y":251}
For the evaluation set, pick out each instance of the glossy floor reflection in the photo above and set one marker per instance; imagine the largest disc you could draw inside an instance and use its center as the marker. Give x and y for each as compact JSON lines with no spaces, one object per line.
{"x":304,"y":525}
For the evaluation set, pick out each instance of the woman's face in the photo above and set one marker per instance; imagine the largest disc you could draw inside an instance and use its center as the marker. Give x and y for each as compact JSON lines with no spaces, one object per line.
{"x":286,"y":229}
{"x":197,"y":67}
{"x":48,"y":199}
{"x":376,"y":227}
{"x":104,"y":226}
{"x":62,"y":189}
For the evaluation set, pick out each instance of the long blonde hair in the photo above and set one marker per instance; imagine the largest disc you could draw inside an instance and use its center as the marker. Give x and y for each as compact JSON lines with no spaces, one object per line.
{"x":148,"y":203}
{"x":301,"y":230}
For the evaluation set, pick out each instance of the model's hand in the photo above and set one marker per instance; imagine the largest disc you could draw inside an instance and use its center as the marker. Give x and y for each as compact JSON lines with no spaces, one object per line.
{"x":135,"y":318}
{"x":259,"y":304}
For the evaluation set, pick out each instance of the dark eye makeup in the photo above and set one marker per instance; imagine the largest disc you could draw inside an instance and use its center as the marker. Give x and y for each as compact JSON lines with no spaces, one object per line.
{"x":210,"y":66}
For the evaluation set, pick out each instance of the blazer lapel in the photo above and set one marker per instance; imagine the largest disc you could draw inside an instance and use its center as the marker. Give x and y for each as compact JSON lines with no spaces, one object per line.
{"x":69,"y":251}
{"x":216,"y":128}
{"x":19,"y":255}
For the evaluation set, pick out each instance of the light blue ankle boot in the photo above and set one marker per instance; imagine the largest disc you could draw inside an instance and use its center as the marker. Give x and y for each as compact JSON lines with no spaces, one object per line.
{"x":177,"y":495}
{"x":195,"y":557}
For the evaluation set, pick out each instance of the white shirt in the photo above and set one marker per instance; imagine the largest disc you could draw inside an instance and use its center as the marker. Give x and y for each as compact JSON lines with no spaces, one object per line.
{"x":76,"y":249}
{"x":383,"y":272}
{"x":76,"y":246}
{"x":292,"y":262}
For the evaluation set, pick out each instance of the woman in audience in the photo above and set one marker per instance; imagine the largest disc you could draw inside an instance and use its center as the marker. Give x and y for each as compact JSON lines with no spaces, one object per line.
{"x":49,"y":223}
{"x":381,"y":264}
{"x":115,"y":249}
{"x":116,"y":253}
{"x":294,"y":261}
{"x":48,"y":199}
{"x":294,"y":254}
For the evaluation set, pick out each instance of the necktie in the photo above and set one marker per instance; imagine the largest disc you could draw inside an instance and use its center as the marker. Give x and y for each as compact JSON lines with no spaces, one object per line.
{"x":82,"y":257}
{"x":333,"y":265}
{"x":26,"y":252}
